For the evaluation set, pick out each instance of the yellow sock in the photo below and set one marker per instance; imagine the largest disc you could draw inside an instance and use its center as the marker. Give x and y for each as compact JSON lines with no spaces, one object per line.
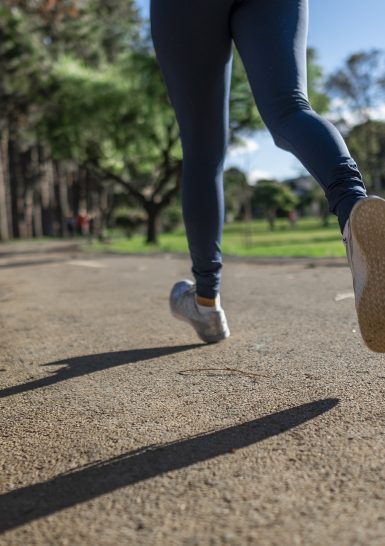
{"x":207,"y":302}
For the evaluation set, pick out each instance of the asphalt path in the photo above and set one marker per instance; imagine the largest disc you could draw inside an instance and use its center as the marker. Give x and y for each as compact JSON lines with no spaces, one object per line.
{"x":119,"y":426}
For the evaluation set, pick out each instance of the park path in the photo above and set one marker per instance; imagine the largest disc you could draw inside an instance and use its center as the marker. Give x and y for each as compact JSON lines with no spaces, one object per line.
{"x":119,"y":427}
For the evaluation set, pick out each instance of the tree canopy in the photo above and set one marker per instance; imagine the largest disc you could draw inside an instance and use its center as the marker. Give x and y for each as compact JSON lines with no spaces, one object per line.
{"x":86,"y":118}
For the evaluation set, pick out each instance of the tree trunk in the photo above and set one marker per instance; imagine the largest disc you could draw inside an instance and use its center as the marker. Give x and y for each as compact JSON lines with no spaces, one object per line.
{"x":377,"y":183}
{"x":62,"y":197}
{"x":28,"y":212}
{"x":31,"y":175}
{"x":37,"y":218}
{"x":325,"y":220}
{"x":153,"y":217}
{"x":15,"y":185}
{"x":4,"y":233}
{"x":82,"y":181}
{"x":103,"y":212}
{"x":271,"y":219}
{"x":4,"y":143}
{"x":47,"y":194}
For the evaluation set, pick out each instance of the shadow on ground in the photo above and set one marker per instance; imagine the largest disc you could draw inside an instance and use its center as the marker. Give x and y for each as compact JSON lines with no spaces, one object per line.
{"x":28,"y":263}
{"x":43,"y":249}
{"x":83,"y":365}
{"x":42,"y":499}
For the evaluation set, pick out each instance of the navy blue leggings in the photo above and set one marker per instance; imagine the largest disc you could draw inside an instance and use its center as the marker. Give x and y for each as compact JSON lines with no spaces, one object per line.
{"x":193,"y":41}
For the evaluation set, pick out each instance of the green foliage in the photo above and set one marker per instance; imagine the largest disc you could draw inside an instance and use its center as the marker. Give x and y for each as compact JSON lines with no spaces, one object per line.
{"x":270,"y":196}
{"x":367,"y":145}
{"x":81,"y":80}
{"x":243,"y":111}
{"x":318,"y":99}
{"x":83,"y":107}
{"x":94,"y":31}
{"x":360,"y":82}
{"x":23,"y":61}
{"x":129,"y":221}
{"x":172,"y":218}
{"x":307,"y":239}
{"x":237,"y":194}
{"x":107,"y":116}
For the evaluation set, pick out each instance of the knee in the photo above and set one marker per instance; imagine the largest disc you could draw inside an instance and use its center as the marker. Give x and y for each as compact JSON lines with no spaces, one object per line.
{"x":283,"y":110}
{"x":205,"y":148}
{"x":209,"y":158}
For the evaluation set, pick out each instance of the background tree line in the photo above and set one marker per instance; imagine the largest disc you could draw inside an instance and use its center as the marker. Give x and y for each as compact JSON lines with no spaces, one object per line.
{"x":86,"y":125}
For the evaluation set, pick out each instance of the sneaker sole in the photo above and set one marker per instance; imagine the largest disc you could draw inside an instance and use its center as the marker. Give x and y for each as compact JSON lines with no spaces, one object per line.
{"x":207,"y":339}
{"x":368,"y":229}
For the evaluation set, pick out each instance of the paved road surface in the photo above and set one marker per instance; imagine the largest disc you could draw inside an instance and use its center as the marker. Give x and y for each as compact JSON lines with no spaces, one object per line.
{"x":119,"y":427}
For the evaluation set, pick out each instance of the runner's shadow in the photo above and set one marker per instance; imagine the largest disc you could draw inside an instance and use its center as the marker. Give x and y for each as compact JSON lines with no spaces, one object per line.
{"x":83,"y":365}
{"x":36,"y":501}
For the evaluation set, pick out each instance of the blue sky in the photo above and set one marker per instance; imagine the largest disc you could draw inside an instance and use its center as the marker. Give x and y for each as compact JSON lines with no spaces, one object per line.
{"x":337,"y":28}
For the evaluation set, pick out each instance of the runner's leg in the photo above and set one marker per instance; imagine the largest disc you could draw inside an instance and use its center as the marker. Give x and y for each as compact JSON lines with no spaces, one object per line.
{"x":271,"y":39}
{"x":193,"y":45}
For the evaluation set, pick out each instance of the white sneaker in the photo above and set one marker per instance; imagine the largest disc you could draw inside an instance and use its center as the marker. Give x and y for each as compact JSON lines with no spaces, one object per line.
{"x":210,"y":325}
{"x":364,"y":237}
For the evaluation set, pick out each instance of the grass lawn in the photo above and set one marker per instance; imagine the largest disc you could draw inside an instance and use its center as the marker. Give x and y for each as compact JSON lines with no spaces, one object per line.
{"x":307,"y":239}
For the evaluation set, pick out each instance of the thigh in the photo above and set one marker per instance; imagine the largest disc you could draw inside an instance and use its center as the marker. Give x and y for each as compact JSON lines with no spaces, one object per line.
{"x":193,"y":45}
{"x":271,"y":37}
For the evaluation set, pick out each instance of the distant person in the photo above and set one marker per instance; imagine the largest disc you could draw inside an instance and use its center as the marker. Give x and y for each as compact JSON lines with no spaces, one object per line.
{"x":70,"y":225}
{"x":83,"y":222}
{"x":193,"y":42}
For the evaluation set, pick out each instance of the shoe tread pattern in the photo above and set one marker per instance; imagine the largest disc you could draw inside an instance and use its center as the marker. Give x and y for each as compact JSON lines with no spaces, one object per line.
{"x":368,"y":232}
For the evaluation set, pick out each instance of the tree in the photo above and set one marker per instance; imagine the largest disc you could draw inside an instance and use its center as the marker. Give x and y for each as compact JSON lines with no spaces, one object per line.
{"x":33,"y":189}
{"x":237,"y":195}
{"x":311,"y":197}
{"x":366,"y":142}
{"x":84,"y":108}
{"x":269,"y":196}
{"x":22,"y":64}
{"x":107,"y":122}
{"x":244,"y":115}
{"x":118,"y":121}
{"x":319,"y":100}
{"x":94,"y":31}
{"x":360,"y":83}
